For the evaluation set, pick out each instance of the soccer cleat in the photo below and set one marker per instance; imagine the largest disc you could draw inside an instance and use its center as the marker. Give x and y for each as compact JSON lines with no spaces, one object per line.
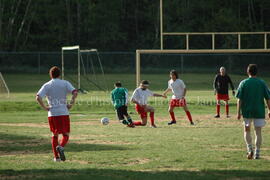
{"x":250,"y":155}
{"x":60,"y":150}
{"x":172,"y":122}
{"x":131,"y":125}
{"x":192,"y":123}
{"x":153,"y":126}
{"x":256,"y":156}
{"x":57,"y":159}
{"x":217,"y":116}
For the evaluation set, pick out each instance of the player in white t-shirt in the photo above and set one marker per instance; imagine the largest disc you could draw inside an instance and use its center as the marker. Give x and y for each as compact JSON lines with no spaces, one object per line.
{"x":178,"y":88}
{"x":139,"y":97}
{"x":56,"y":91}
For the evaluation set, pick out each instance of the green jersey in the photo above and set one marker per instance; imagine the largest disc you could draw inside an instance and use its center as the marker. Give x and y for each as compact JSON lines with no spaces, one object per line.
{"x":252,"y":92}
{"x":119,"y":97}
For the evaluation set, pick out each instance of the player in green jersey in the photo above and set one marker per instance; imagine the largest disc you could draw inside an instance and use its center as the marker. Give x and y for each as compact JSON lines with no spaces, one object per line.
{"x":251,"y":94}
{"x":120,"y":102}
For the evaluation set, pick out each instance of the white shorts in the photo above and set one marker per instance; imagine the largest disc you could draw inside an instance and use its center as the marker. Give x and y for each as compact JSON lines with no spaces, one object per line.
{"x":256,"y":122}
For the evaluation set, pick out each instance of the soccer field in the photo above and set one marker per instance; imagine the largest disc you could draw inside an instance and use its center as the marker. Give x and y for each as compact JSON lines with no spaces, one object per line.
{"x":212,"y":149}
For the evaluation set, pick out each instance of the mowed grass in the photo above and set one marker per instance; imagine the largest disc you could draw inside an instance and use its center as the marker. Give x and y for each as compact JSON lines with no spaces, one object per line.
{"x":213,"y":149}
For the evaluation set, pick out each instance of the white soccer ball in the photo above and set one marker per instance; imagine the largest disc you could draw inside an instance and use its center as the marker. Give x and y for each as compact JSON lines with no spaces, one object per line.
{"x":104,"y":120}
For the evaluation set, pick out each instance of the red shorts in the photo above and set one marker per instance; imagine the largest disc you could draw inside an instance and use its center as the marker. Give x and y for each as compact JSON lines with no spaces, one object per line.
{"x":141,"y":111}
{"x":59,"y":124}
{"x":224,"y":97}
{"x":178,"y":103}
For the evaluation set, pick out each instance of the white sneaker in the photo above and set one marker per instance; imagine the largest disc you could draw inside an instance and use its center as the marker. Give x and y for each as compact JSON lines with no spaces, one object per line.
{"x":57,"y":159}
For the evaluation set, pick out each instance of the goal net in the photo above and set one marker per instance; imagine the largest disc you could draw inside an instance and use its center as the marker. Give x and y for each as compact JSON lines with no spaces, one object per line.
{"x":4,"y":91}
{"x":83,"y":68}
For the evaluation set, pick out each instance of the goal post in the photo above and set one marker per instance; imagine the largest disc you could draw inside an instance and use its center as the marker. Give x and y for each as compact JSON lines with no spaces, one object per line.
{"x":68,"y":48}
{"x":3,"y":86}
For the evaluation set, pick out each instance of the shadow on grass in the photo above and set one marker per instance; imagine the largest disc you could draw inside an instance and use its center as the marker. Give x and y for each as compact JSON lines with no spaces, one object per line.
{"x":16,"y":144}
{"x":113,"y":174}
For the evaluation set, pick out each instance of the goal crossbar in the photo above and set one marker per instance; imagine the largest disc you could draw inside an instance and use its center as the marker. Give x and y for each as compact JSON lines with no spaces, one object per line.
{"x":188,"y":51}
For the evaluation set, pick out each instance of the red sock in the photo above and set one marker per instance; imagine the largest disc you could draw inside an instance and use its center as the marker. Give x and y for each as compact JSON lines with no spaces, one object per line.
{"x":189,"y":116}
{"x":152,"y":119}
{"x":227,"y":109}
{"x":54,"y":144}
{"x":218,"y":109}
{"x":64,"y":140}
{"x":172,"y":116}
{"x":137,"y":123}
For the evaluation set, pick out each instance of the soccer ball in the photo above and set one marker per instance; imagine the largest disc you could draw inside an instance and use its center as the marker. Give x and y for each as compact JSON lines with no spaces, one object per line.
{"x":104,"y":120}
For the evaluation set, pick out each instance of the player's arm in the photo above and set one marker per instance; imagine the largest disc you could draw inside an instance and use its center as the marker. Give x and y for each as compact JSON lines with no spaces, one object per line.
{"x":215,"y":84}
{"x":41,"y":103}
{"x":73,"y":98}
{"x":268,"y":106}
{"x":231,"y":84}
{"x":159,"y":95}
{"x":166,"y":91}
{"x":239,"y":102}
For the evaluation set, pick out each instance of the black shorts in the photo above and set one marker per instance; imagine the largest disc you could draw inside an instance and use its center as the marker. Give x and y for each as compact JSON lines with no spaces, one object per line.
{"x":122,"y":112}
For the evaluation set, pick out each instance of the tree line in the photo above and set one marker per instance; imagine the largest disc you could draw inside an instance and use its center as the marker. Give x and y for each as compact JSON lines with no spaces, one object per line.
{"x":121,"y":25}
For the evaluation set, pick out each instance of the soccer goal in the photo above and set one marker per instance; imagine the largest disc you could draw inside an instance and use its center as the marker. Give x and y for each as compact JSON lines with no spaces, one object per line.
{"x":84,"y":68}
{"x":4,"y":90}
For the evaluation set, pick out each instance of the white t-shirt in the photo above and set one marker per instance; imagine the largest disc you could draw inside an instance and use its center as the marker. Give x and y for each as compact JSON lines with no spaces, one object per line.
{"x":177,"y":87}
{"x":141,"y":96}
{"x":56,"y":91}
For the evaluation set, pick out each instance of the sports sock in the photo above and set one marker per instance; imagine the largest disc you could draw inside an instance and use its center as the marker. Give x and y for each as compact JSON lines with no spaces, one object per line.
{"x":218,"y":109}
{"x":129,"y":120}
{"x":172,"y":116}
{"x":54,"y":144}
{"x":248,"y":140}
{"x":152,"y":119}
{"x":258,"y":139}
{"x":64,"y":140}
{"x":137,"y":123}
{"x":227,"y":109}
{"x":189,"y":116}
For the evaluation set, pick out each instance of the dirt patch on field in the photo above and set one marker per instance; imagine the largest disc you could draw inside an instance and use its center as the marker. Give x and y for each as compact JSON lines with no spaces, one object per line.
{"x":137,"y":161}
{"x":39,"y":125}
{"x":103,"y":142}
{"x":78,"y":161}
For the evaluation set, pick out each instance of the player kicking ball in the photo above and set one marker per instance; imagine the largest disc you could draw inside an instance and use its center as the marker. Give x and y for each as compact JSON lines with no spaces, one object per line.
{"x":120,"y":101}
{"x":139,"y":97}
{"x":178,"y":88}
{"x":221,"y":86}
{"x":251,"y":94}
{"x":56,"y":91}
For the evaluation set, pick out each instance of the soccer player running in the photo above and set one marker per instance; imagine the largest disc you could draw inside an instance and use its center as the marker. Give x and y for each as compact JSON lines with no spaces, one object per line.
{"x":56,"y":91}
{"x":119,"y":98}
{"x":178,"y":88}
{"x":251,"y":94}
{"x":139,"y":97}
{"x":221,"y":86}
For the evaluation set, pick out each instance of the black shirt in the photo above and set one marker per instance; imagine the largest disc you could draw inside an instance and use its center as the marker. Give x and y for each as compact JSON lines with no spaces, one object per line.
{"x":221,"y":84}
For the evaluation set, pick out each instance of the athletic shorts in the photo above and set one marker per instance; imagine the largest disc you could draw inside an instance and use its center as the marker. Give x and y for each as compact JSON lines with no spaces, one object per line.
{"x":178,"y":103}
{"x":122,"y":112}
{"x":59,"y":124}
{"x":256,"y":122}
{"x":141,"y":111}
{"x":224,"y":97}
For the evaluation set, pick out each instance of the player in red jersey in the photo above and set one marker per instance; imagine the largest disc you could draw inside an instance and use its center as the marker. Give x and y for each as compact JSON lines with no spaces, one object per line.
{"x":178,"y":88}
{"x":221,"y":87}
{"x":56,"y":91}
{"x":139,"y":97}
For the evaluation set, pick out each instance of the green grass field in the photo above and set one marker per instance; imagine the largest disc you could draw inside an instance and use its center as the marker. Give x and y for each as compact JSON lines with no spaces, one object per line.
{"x":213,"y":149}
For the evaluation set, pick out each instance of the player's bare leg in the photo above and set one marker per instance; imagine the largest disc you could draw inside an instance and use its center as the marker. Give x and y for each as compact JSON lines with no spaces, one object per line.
{"x":188,"y":114}
{"x":258,"y":142}
{"x":227,"y":108}
{"x":173,"y":120}
{"x":248,"y":140}
{"x":218,"y":109}
{"x":151,"y":110}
